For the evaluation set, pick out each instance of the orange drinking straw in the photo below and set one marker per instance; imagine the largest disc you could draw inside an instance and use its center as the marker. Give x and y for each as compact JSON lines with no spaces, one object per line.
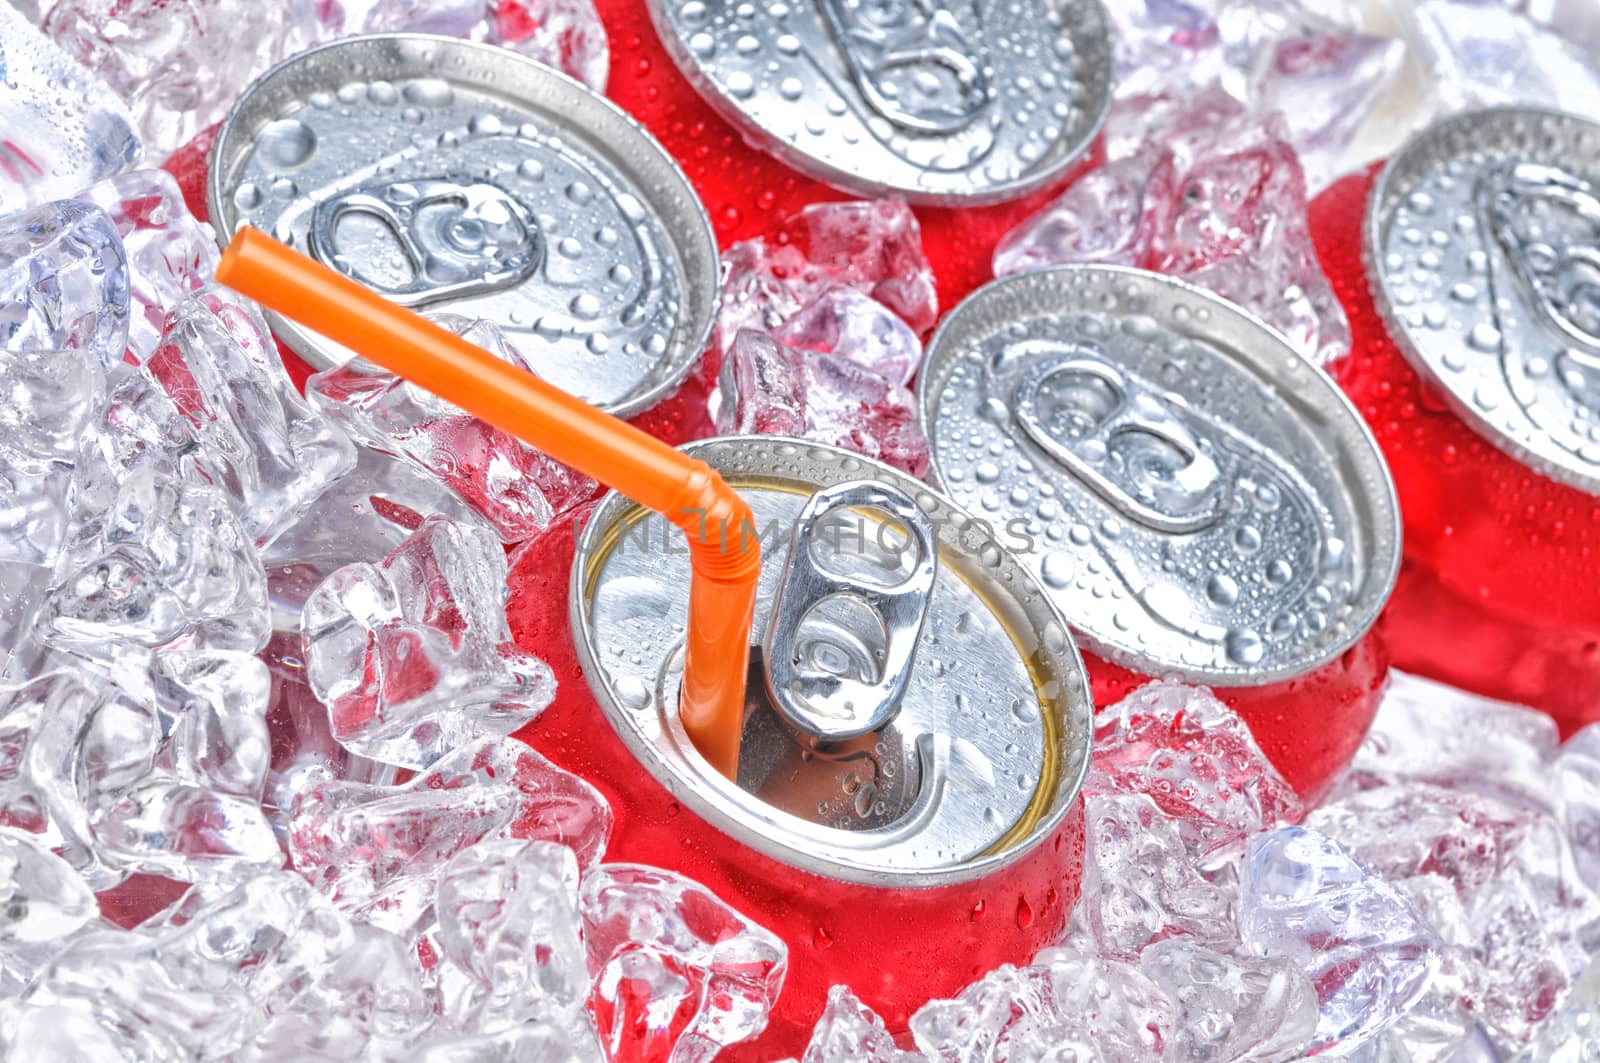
{"x":687,"y":492}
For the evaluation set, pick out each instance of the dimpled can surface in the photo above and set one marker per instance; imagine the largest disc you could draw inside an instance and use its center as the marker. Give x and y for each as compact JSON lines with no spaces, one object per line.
{"x":934,"y":101}
{"x":1470,"y":269}
{"x":454,"y":176}
{"x":903,"y":861}
{"x":1201,"y":502}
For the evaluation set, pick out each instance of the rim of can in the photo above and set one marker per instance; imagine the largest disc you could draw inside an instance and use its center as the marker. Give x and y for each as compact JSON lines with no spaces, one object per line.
{"x":717,"y":800}
{"x":1092,"y":15}
{"x":1421,"y":150}
{"x":604,"y":129}
{"x":1311,"y":385}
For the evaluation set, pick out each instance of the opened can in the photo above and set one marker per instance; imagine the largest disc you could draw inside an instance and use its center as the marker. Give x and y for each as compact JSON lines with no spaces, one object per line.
{"x":935,"y":103}
{"x":1474,"y":301}
{"x":1202,"y":503}
{"x":906,"y":813}
{"x":455,"y":176}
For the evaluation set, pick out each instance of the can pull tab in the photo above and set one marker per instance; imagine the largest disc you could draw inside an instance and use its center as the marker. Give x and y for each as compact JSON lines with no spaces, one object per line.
{"x":911,"y":61}
{"x":1548,"y":223}
{"x":439,"y":239}
{"x":1122,"y":440}
{"x":849,"y":611}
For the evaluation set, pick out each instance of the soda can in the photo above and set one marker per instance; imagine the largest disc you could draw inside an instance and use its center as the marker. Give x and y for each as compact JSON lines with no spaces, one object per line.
{"x":929,"y":101}
{"x":1474,"y":300}
{"x":906,"y":814}
{"x":1202,"y":503}
{"x":459,"y":177}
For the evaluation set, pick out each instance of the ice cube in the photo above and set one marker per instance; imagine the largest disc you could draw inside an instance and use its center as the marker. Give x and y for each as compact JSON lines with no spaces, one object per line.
{"x":221,"y":366}
{"x":1358,"y":939}
{"x":65,"y":279}
{"x":851,"y":1032}
{"x":1325,"y":83}
{"x":565,"y":34}
{"x":364,"y":516}
{"x":304,"y":751}
{"x":507,"y":915}
{"x":1108,"y":1004}
{"x":1572,"y":1034}
{"x":169,"y":565}
{"x":767,"y":387}
{"x":344,"y":986}
{"x":1108,"y":216}
{"x":22,"y":589}
{"x":1482,"y":53}
{"x":186,"y":832}
{"x":1238,"y":228}
{"x":1495,"y":879}
{"x":1428,"y":732}
{"x":1577,"y":780}
{"x":214,"y":708}
{"x":1164,"y":44}
{"x":52,"y":399}
{"x":41,"y":720}
{"x":41,"y":897}
{"x":991,"y":1019}
{"x":677,"y":974}
{"x":515,"y":487}
{"x":413,"y":656}
{"x":1304,"y":60}
{"x":1139,"y":885}
{"x":197,"y":987}
{"x":874,"y":248}
{"x":377,"y":851}
{"x":1197,"y":760}
{"x":873,"y":245}
{"x":843,"y":322}
{"x":180,"y":70}
{"x":1221,"y":202}
{"x":170,"y":254}
{"x":1232,"y":1007}
{"x":64,"y":129}
{"x":141,"y":428}
{"x":535,"y":1042}
{"x":553,"y":805}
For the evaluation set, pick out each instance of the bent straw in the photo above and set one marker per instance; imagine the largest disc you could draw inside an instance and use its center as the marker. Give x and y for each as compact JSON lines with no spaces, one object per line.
{"x":689,"y":493}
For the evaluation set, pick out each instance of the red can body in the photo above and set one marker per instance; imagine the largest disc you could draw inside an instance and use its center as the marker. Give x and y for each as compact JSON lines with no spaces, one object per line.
{"x":896,"y":948}
{"x":1496,"y":592}
{"x":1309,"y":726}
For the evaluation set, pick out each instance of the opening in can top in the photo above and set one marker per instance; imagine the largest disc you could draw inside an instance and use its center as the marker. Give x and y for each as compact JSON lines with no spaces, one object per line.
{"x":460,"y":177}
{"x":1199,"y":499}
{"x":988,"y":740}
{"x":936,"y":102}
{"x":1483,"y":252}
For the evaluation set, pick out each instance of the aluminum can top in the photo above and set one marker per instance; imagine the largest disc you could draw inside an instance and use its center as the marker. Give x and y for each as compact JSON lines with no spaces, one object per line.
{"x":930,"y":100}
{"x":918,"y":713}
{"x":1483,"y":252}
{"x":1201,"y":501}
{"x":460,"y":177}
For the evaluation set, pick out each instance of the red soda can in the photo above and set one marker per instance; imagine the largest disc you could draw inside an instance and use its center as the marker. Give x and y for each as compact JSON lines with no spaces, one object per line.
{"x":1473,"y":293}
{"x":1202,"y":503}
{"x":906,"y":813}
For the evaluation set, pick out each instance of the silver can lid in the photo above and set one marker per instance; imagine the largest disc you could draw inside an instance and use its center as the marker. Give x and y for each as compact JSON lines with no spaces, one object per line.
{"x":1483,"y":251}
{"x":1200,"y":500}
{"x":457,"y":176}
{"x":932,"y":101}
{"x":983,"y":727}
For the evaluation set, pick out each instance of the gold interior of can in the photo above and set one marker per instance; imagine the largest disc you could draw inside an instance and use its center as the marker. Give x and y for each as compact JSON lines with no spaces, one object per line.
{"x":1043,"y":799}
